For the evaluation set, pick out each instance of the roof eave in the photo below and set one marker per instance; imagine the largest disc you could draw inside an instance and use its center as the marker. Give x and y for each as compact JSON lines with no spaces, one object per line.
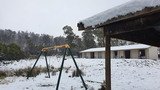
{"x":129,"y":16}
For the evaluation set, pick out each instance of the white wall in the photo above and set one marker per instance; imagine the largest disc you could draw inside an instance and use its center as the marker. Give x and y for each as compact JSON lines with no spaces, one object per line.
{"x":134,"y":54}
{"x":87,"y":55}
{"x":96,"y":55}
{"x":153,"y":53}
{"x":102,"y":55}
{"x":121,"y":54}
{"x":112,"y":54}
{"x":147,"y":53}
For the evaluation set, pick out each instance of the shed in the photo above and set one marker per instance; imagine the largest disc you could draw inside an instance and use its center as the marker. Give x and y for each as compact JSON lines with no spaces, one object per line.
{"x":136,"y":20}
{"x":136,"y":51}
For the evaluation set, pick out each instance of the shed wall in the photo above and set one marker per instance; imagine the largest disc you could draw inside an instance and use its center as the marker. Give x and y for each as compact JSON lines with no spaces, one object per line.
{"x":134,"y":54}
{"x":153,"y":53}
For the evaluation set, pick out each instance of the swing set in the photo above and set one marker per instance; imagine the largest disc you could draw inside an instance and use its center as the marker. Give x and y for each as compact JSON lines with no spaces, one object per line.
{"x":45,"y":50}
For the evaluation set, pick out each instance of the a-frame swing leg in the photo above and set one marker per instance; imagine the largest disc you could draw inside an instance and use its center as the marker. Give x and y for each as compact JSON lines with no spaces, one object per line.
{"x":61,"y":70}
{"x":77,"y":68}
{"x":30,"y":72}
{"x":45,"y":55}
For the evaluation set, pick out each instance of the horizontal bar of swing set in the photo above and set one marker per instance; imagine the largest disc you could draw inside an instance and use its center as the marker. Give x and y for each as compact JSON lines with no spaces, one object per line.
{"x":55,"y":47}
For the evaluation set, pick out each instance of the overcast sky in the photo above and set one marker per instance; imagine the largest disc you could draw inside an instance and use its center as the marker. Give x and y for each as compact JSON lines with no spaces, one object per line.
{"x":49,"y":16}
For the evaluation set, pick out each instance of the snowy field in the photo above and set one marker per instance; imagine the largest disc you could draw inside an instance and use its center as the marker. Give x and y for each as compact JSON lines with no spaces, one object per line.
{"x":127,"y":74}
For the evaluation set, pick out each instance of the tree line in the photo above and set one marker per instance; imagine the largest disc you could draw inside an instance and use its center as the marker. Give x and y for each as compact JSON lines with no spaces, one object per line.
{"x":30,"y":43}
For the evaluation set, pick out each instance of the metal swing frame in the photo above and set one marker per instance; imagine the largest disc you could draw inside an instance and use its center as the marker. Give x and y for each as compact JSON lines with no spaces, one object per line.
{"x":45,"y":50}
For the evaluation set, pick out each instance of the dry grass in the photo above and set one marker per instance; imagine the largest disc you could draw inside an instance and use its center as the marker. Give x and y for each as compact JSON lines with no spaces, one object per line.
{"x":23,"y":72}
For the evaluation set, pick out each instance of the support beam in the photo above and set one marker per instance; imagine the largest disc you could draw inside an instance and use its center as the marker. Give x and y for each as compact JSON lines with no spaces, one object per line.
{"x":30,"y":72}
{"x":107,"y":59}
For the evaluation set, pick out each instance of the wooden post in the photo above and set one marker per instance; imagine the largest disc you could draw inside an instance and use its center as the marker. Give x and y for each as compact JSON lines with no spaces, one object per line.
{"x":107,"y":59}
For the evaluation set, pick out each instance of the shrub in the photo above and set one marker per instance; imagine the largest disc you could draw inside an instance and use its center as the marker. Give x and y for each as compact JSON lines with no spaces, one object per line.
{"x":19,"y":72}
{"x":11,"y":52}
{"x":24,"y":72}
{"x":102,"y":86}
{"x":36,"y":71}
{"x":91,"y":88}
{"x":75,"y":73}
{"x":2,"y":74}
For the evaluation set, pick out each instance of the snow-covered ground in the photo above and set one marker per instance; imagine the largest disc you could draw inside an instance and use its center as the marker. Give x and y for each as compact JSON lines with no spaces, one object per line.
{"x":127,"y":74}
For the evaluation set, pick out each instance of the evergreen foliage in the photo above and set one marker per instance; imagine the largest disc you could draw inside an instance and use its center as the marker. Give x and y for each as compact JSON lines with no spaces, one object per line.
{"x":29,"y":42}
{"x":73,"y":40}
{"x":10,"y":52}
{"x":68,"y":31}
{"x":88,"y":39}
{"x":99,"y":37}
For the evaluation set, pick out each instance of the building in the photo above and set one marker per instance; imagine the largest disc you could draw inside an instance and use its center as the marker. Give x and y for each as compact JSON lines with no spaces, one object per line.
{"x":137,"y":51}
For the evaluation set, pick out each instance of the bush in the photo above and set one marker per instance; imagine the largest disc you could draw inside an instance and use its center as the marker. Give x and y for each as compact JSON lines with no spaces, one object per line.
{"x":3,"y":75}
{"x":10,"y":52}
{"x":36,"y":71}
{"x":75,"y":73}
{"x":21,"y":72}
{"x":102,"y":86}
{"x":24,"y":72}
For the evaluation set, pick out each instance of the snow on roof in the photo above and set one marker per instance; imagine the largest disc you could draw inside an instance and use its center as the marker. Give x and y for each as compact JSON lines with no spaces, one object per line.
{"x":118,"y":48}
{"x":94,"y":50}
{"x":131,"y":6}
